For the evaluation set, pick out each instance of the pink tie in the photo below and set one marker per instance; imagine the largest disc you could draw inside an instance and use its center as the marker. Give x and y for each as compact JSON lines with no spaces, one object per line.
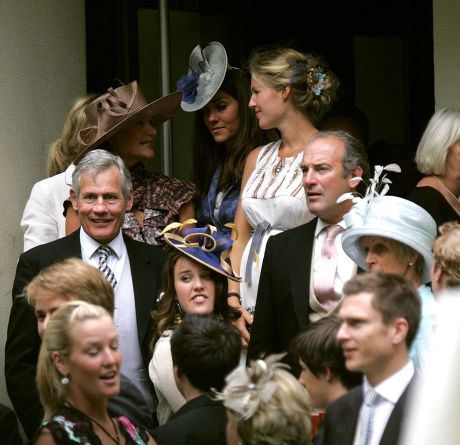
{"x":326,"y":267}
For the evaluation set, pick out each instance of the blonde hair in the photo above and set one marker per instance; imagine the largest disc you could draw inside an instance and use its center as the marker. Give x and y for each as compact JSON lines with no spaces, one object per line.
{"x":283,"y":67}
{"x":73,"y":279}
{"x":57,"y":338}
{"x":446,"y":252}
{"x":442,"y":131}
{"x":63,"y":150}
{"x":282,"y":418}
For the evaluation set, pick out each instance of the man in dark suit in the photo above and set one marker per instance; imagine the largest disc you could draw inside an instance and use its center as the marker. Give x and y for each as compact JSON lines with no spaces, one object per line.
{"x":380,"y":315}
{"x":286,"y":298}
{"x":101,"y":193}
{"x":204,"y":350}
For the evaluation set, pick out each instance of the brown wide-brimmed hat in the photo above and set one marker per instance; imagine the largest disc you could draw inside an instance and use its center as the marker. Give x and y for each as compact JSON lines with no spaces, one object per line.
{"x":119,"y":107}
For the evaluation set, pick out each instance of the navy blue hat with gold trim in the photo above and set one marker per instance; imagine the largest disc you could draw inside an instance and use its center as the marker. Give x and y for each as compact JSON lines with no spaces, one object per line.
{"x":204,"y":245}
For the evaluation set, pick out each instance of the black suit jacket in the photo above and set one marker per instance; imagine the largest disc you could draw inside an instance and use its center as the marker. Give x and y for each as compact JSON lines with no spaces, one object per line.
{"x":201,"y":421}
{"x":283,"y":307}
{"x":23,"y":341}
{"x":342,"y":418}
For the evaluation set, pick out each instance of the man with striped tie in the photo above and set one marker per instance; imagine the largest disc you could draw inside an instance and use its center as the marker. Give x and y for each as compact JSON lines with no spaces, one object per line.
{"x":102,"y":193}
{"x":380,"y":314}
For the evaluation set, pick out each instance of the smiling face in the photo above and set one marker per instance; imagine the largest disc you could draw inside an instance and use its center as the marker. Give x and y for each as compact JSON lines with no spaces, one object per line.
{"x":381,"y":256}
{"x":136,"y":142}
{"x":93,"y":366}
{"x":368,"y":343}
{"x":101,"y":205}
{"x":269,"y":104}
{"x":323,"y":178}
{"x":195,"y":287}
{"x":221,"y":117}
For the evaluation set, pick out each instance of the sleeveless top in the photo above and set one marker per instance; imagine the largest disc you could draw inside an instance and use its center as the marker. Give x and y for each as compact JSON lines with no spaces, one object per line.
{"x":273,"y":200}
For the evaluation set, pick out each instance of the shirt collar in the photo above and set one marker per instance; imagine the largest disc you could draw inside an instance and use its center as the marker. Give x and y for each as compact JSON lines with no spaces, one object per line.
{"x":392,"y":387}
{"x":320,"y":225}
{"x":90,"y":245}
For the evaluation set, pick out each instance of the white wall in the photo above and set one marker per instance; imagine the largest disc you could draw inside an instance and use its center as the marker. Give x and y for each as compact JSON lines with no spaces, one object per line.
{"x":42,"y":69}
{"x":446,"y":36}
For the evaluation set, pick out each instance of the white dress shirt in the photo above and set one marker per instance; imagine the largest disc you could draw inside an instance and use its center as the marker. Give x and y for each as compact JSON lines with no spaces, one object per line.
{"x":390,"y":390}
{"x":125,"y":308}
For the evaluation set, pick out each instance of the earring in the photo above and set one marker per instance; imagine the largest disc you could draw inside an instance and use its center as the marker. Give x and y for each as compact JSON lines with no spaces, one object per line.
{"x":65,"y":380}
{"x":411,"y":263}
{"x":178,"y":316}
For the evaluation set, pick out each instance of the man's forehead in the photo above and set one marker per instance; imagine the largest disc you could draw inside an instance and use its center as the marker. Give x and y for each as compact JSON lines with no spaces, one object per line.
{"x":324,"y":149}
{"x":360,"y":302}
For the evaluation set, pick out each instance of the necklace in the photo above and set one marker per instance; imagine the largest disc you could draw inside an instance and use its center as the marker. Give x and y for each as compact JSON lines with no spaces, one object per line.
{"x":115,"y":439}
{"x":445,"y":188}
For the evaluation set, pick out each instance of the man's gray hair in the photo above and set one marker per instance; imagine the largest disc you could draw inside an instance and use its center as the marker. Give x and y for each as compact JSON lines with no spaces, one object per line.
{"x":97,"y":161}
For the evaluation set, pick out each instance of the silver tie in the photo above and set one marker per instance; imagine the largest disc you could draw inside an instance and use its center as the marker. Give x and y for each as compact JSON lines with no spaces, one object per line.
{"x":370,"y":400}
{"x":104,"y":252}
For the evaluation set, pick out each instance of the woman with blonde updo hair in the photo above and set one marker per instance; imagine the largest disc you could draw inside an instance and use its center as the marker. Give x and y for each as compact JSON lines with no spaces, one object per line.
{"x":64,"y":149}
{"x":266,"y":405}
{"x":43,"y":220}
{"x":291,"y":92}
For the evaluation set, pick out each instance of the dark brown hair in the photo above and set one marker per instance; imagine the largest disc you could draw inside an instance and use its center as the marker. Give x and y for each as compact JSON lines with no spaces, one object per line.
{"x":393,"y":297}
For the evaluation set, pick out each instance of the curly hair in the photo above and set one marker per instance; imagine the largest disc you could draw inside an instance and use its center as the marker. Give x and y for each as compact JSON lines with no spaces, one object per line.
{"x":314,"y":85}
{"x":446,"y":252}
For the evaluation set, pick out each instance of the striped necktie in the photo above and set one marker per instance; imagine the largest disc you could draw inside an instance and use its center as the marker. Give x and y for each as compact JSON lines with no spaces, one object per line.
{"x":104,"y":252}
{"x":370,"y":401}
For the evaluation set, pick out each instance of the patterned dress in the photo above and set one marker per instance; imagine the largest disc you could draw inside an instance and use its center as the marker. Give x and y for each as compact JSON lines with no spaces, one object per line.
{"x":68,"y":426}
{"x":273,"y":200}
{"x":218,"y":209}
{"x":160,"y":198}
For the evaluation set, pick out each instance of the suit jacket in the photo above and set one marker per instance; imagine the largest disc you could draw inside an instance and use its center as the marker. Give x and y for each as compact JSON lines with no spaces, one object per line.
{"x":342,"y":418}
{"x":201,"y":421}
{"x":23,"y":341}
{"x":283,"y":307}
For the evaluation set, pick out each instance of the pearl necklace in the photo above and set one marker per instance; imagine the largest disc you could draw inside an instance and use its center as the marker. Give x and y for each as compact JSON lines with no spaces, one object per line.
{"x":446,"y":189}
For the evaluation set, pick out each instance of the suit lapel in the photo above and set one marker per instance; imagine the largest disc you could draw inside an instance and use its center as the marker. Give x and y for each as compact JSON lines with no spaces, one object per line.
{"x":71,"y":245}
{"x":300,"y":248}
{"x":392,"y":429}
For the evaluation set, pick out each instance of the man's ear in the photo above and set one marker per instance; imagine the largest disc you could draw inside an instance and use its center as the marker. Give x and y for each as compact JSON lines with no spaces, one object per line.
{"x":178,"y":372}
{"x":60,"y":363}
{"x":129,"y":201}
{"x":401,"y":327}
{"x":356,"y":173}
{"x":73,"y":199}
{"x":437,"y":274}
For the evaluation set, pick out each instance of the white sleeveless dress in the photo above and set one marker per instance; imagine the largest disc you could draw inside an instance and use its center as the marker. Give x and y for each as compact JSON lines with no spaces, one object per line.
{"x":273,"y":200}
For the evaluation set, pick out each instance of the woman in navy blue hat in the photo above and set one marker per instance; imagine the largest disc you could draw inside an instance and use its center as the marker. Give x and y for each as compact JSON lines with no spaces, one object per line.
{"x":195,"y":281}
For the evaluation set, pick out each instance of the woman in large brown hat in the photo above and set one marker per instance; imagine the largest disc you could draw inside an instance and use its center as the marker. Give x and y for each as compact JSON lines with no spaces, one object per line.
{"x":123,"y":122}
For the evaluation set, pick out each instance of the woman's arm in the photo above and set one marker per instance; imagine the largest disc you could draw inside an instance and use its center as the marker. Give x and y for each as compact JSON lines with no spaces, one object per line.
{"x":241,"y":236}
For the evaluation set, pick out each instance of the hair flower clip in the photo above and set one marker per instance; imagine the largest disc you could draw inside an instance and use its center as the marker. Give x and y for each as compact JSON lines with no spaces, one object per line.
{"x":377,"y":187}
{"x":248,"y":388}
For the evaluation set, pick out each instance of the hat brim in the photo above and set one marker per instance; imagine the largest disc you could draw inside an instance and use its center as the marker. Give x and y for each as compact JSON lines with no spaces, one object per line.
{"x":217,"y":58}
{"x":159,"y":110}
{"x":351,"y":244}
{"x":207,"y":259}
